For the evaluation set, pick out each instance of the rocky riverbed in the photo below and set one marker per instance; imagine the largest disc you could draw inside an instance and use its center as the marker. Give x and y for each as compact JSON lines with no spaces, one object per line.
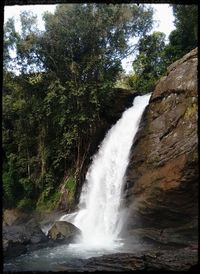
{"x":149,"y":260}
{"x":160,"y":196}
{"x":153,"y":258}
{"x":28,"y":248}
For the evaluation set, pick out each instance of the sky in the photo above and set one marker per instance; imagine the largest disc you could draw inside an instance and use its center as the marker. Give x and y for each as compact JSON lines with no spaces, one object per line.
{"x":164,"y":18}
{"x":162,"y":15}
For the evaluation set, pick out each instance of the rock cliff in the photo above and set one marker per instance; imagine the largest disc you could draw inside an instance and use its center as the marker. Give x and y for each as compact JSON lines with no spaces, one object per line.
{"x":162,"y":178}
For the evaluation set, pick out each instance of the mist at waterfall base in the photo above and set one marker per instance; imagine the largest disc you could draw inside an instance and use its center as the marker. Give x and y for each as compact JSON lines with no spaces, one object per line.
{"x":99,"y":215}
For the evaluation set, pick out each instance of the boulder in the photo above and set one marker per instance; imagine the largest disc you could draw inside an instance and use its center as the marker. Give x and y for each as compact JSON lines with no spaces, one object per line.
{"x":14,"y":217}
{"x":27,"y":237}
{"x":162,"y":176}
{"x":63,"y":231}
{"x":17,"y":239}
{"x":34,"y":232}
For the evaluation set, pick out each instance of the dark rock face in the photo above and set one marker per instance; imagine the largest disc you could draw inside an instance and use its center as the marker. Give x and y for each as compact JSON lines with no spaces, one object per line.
{"x":162,"y":177}
{"x":163,"y":260}
{"x":17,"y":239}
{"x":63,"y":231}
{"x":27,"y":237}
{"x":122,"y":99}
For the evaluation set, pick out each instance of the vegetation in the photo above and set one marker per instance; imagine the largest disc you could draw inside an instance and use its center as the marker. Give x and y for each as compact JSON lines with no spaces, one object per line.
{"x":54,"y":104}
{"x":154,"y":55}
{"x":185,"y":37}
{"x":149,"y":64}
{"x":53,"y":107}
{"x":70,"y":185}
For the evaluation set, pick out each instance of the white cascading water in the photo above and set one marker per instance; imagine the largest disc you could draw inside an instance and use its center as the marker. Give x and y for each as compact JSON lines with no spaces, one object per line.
{"x":99,"y":215}
{"x":100,"y":200}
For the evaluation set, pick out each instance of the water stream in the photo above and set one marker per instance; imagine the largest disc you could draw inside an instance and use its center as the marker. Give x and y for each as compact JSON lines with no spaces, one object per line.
{"x":99,"y":215}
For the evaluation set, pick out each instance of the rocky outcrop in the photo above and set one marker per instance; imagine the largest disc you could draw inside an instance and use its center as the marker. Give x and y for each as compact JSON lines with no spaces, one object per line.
{"x":121,"y":99}
{"x":26,"y":237}
{"x":163,"y":260}
{"x":18,"y":239}
{"x":162,"y":178}
{"x":63,"y":231}
{"x":14,"y":217}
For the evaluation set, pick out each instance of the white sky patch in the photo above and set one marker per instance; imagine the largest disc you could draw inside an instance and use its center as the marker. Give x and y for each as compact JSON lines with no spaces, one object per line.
{"x":14,"y":11}
{"x":163,"y":16}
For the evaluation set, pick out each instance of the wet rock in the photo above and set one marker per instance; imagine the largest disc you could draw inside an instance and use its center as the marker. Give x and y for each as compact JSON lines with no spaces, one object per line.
{"x":63,"y":231}
{"x":46,"y":220}
{"x":34,"y":232}
{"x":162,"y":176}
{"x":27,"y":237}
{"x":14,"y":217}
{"x":13,"y":248}
{"x":18,"y":238}
{"x":152,"y":260}
{"x":181,"y":236}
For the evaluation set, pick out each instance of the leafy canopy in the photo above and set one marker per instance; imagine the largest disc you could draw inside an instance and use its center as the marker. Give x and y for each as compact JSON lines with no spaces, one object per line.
{"x":185,"y":37}
{"x":149,"y":64}
{"x":56,"y":104}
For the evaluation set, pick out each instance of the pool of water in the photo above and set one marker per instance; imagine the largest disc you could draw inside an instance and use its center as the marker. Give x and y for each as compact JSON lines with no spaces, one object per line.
{"x":53,"y":259}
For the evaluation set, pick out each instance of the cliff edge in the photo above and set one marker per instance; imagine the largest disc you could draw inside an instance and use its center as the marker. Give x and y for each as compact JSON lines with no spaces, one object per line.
{"x":162,"y":178}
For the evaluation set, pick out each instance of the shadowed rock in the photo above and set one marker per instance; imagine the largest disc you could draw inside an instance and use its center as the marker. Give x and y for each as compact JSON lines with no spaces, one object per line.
{"x":17,"y":239}
{"x":162,"y":260}
{"x":162,"y":177}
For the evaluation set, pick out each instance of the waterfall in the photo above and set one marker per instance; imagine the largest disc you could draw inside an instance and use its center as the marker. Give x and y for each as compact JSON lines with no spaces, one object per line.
{"x":100,"y":200}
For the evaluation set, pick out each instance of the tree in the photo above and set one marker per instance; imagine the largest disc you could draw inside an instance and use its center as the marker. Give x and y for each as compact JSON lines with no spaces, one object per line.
{"x":185,"y":37}
{"x":149,"y":64}
{"x":92,"y":49}
{"x":10,"y":41}
{"x":54,"y":106}
{"x":154,"y":56}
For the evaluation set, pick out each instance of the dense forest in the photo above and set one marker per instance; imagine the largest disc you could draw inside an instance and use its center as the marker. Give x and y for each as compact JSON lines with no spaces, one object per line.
{"x":58,"y":87}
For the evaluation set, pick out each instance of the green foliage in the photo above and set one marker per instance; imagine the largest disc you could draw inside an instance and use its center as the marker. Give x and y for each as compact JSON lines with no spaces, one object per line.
{"x":70,"y":186}
{"x":66,"y":77}
{"x":53,"y":107}
{"x":48,"y":194}
{"x":149,"y":64}
{"x":25,"y":204}
{"x":154,"y":55}
{"x":10,"y":40}
{"x":12,"y":189}
{"x":48,"y":200}
{"x":123,"y":81}
{"x":185,"y":37}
